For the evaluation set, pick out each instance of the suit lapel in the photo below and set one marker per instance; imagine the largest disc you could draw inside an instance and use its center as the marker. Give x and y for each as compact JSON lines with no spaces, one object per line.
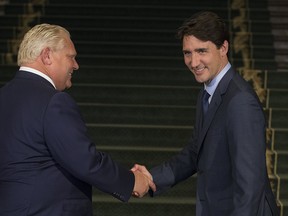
{"x":213,"y":107}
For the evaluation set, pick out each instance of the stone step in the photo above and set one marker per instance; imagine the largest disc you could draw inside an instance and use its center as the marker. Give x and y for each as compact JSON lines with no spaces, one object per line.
{"x":151,"y":90}
{"x":280,"y":139}
{"x":277,"y":98}
{"x":140,"y":136}
{"x":171,"y":136}
{"x":153,"y":49}
{"x":181,"y":76}
{"x":159,"y":114}
{"x":283,"y":186}
{"x":282,"y":165}
{"x":128,"y":36}
{"x":160,"y":61}
{"x":146,"y":206}
{"x":138,"y":114}
{"x":157,"y":94}
{"x":150,"y":157}
{"x":131,"y":10}
{"x":135,"y":94}
{"x":115,"y":22}
{"x":141,"y":2}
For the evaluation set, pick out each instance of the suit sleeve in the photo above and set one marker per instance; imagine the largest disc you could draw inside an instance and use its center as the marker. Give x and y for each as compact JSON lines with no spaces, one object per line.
{"x":181,"y":166}
{"x":70,"y":146}
{"x":177,"y":169}
{"x":246,"y":140}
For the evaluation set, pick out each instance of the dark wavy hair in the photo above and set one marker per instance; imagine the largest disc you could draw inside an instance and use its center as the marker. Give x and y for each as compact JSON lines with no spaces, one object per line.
{"x":205,"y":26}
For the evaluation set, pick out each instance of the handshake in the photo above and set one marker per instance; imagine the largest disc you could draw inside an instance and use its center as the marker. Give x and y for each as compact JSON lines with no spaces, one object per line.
{"x":143,"y":181}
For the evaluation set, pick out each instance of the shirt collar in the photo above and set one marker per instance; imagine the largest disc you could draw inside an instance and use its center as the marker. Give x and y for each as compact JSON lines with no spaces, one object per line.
{"x":37,"y":72}
{"x":211,"y":87}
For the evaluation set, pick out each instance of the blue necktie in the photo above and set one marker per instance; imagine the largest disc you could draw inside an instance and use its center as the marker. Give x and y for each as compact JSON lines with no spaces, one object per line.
{"x":205,"y":101}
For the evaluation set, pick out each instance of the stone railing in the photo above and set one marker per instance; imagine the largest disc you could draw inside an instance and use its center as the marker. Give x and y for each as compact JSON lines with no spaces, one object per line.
{"x":30,"y":15}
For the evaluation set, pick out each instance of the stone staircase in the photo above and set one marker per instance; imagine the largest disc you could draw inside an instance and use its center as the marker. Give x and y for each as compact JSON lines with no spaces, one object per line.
{"x":279,"y":24}
{"x":135,"y":93}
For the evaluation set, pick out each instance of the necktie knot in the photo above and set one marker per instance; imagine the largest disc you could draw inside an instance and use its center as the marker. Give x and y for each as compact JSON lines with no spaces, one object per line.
{"x":205,"y":101}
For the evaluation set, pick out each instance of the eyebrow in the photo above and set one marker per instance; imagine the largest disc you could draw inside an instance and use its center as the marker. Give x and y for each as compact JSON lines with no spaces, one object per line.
{"x":201,"y":49}
{"x":72,"y":54}
{"x":196,"y":50}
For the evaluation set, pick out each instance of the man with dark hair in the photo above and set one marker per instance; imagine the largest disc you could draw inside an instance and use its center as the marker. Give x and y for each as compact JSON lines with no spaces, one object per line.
{"x":227,"y":149}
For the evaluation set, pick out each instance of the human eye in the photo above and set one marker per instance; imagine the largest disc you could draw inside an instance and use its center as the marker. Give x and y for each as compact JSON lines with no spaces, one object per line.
{"x":186,"y":52}
{"x":72,"y":57}
{"x":202,"y":51}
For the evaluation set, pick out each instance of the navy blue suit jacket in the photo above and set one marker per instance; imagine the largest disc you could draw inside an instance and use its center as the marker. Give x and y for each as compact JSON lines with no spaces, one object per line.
{"x":227,"y":151}
{"x":47,"y":162}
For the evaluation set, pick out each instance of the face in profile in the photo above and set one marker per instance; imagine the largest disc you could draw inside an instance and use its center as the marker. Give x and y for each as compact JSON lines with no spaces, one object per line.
{"x":63,"y":65}
{"x":204,"y":59}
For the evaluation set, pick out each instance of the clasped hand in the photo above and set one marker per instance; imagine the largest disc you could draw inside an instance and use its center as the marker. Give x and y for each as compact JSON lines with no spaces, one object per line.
{"x":143,"y":181}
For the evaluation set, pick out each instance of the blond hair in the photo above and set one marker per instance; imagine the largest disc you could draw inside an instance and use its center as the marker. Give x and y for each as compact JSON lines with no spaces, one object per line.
{"x":39,"y":37}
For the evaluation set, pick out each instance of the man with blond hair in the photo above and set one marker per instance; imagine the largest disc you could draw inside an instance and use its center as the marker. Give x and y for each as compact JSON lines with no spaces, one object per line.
{"x":48,"y":164}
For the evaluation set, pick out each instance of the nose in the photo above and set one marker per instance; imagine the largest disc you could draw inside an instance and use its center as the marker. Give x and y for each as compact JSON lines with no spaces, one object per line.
{"x":194,"y":61}
{"x":76,"y":65}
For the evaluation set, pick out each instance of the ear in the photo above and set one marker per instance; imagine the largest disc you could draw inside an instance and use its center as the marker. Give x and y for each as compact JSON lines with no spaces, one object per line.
{"x":224,"y":48}
{"x":46,"y":56}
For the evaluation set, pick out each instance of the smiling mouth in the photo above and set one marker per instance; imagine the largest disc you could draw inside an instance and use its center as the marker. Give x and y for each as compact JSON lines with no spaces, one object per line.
{"x":198,"y":71}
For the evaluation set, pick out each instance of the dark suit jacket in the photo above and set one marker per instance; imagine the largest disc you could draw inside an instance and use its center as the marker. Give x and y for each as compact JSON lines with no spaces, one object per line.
{"x":47,"y":161}
{"x":227,"y":151}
